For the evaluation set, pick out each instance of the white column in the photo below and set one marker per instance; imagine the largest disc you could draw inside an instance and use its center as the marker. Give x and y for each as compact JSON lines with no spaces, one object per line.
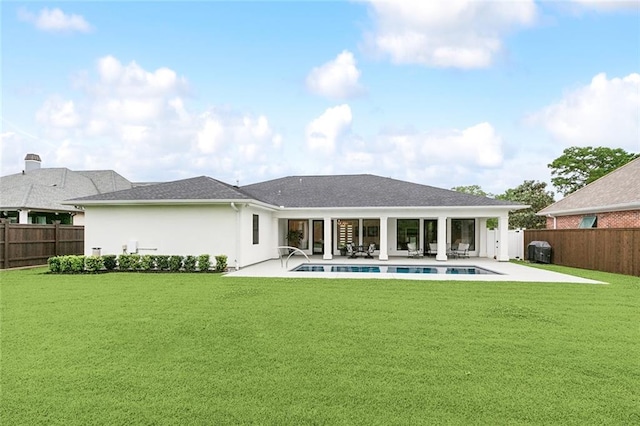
{"x":360,"y":232}
{"x":482,"y":238}
{"x":23,"y":216}
{"x":384,"y":243}
{"x":503,"y":238}
{"x":328,"y":241}
{"x":442,"y":238}
{"x":275,"y":235}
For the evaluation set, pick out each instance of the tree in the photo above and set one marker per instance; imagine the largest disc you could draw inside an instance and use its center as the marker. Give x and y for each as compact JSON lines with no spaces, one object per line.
{"x":533,"y":193}
{"x":471,"y":189}
{"x":579,"y":166}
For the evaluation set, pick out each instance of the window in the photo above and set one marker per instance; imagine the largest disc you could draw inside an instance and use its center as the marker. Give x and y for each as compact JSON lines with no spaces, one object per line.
{"x":256,"y":229}
{"x":298,"y":234}
{"x":348,"y":231}
{"x":407,"y":232}
{"x":463,"y":231}
{"x":589,"y":222}
{"x":371,"y":232}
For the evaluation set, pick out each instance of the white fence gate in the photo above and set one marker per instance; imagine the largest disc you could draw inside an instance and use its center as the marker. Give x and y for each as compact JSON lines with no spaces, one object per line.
{"x":516,"y":243}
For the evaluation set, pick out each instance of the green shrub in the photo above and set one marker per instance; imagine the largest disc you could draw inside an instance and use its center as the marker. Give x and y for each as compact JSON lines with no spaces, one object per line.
{"x":124,"y":262}
{"x":94,"y":263}
{"x":190,"y":263}
{"x":221,"y":263}
{"x":147,"y":262}
{"x":175,"y":263}
{"x":204,"y":262}
{"x":54,"y":264}
{"x":109,"y":261}
{"x":129,"y":262}
{"x":162,"y":262}
{"x":135,"y":261}
{"x":71,"y":264}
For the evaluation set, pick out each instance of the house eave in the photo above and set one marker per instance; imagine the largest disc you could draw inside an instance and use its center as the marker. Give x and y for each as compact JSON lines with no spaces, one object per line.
{"x":378,"y":208}
{"x":587,"y":210}
{"x":191,"y":202}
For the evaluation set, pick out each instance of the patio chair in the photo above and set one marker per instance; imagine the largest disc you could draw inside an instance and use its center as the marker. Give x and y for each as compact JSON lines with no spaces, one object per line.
{"x":433,"y":249}
{"x":350,"y":251}
{"x":413,"y":251}
{"x":371,"y":250}
{"x":462,"y":250}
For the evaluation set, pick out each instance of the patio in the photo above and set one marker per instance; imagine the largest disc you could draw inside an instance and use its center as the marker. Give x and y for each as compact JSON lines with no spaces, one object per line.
{"x":506,"y":271}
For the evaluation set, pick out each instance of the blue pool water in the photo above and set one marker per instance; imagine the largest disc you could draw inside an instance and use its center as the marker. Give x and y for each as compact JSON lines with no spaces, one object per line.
{"x":394,"y":269}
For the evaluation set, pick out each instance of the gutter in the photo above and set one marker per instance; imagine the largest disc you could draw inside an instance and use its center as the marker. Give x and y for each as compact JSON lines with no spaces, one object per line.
{"x":554,"y":220}
{"x":237,"y":244}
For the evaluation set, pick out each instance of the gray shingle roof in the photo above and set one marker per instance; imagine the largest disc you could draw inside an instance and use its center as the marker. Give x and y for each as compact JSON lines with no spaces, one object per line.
{"x":617,"y":190}
{"x":305,"y":192}
{"x":46,"y":188}
{"x":359,"y":191}
{"x":197,"y":188}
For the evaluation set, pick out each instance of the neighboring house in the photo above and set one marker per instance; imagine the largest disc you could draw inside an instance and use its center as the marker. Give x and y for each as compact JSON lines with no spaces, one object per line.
{"x":203,"y":215}
{"x":613,"y":201}
{"x":36,"y":194}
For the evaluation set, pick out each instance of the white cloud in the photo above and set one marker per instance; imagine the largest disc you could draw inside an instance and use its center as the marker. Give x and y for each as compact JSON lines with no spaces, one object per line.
{"x":456,"y":33}
{"x":443,"y":158}
{"x":55,"y":20}
{"x":607,"y":5}
{"x":137,"y":122}
{"x":323,"y":133}
{"x":605,"y":112}
{"x":336,"y":79}
{"x":57,"y":113}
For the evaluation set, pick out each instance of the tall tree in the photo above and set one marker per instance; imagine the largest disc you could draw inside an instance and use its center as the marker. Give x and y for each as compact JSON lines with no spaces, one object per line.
{"x":579,"y":166}
{"x":472,"y":189}
{"x":533,"y":193}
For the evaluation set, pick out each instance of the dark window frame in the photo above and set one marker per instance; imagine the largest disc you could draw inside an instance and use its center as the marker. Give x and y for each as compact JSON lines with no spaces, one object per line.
{"x":256,"y":229}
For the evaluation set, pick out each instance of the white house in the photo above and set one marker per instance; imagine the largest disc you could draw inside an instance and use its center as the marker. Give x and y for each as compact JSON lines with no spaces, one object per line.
{"x":203,"y":215}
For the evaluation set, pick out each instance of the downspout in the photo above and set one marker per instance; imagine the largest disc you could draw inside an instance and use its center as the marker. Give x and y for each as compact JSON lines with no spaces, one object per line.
{"x":233,"y":206}
{"x":554,"y":220}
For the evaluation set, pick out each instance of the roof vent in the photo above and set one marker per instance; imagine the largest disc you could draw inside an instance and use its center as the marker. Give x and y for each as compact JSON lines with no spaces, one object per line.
{"x":32,"y":162}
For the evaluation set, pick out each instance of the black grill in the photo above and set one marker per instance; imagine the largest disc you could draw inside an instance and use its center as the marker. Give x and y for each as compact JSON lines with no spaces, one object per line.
{"x":539,"y":251}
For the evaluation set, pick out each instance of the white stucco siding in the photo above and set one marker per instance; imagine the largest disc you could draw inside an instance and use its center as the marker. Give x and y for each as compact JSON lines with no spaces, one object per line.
{"x":181,"y":230}
{"x":265,"y":248}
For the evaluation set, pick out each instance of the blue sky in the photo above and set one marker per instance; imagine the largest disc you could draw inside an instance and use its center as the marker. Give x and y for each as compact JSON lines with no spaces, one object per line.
{"x":444,"y":93}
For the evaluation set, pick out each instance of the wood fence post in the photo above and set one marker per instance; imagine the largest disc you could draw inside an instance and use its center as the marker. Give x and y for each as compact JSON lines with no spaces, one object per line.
{"x":57,"y":237}
{"x":6,"y":224}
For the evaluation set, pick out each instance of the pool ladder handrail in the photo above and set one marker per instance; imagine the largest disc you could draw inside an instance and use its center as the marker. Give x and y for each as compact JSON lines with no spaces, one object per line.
{"x":293,"y":250}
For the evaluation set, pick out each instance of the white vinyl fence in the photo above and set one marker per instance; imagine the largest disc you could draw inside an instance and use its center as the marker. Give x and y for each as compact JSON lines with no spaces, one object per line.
{"x":516,"y":243}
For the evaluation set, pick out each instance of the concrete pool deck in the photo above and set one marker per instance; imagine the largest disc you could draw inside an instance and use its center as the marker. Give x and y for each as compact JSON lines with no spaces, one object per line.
{"x":507,"y":271}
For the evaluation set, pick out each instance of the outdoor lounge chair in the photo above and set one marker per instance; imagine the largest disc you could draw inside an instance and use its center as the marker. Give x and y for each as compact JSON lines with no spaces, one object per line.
{"x":371,"y":250}
{"x":413,"y":250}
{"x":462,"y":250}
{"x":350,"y":251}
{"x":433,"y":249}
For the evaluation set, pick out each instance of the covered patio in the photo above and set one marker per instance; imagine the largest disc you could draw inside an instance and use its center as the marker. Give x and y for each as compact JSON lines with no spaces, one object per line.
{"x":328,"y":235}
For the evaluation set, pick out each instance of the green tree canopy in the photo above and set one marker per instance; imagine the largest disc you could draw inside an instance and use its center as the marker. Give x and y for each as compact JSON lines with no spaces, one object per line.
{"x":533,"y":193}
{"x":472,"y":189}
{"x":579,"y":166}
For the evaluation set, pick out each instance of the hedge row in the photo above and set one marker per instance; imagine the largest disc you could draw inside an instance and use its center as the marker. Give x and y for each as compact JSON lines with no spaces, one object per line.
{"x":135,"y":262}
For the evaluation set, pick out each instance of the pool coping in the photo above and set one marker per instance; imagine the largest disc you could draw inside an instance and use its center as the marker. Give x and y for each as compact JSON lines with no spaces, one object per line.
{"x":506,"y":271}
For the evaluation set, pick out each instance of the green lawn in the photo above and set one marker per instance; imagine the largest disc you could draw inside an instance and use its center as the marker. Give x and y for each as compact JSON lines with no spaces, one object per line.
{"x":127,"y":348}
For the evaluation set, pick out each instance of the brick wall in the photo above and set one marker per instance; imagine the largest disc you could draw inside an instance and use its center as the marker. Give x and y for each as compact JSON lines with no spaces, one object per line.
{"x":624,"y":219}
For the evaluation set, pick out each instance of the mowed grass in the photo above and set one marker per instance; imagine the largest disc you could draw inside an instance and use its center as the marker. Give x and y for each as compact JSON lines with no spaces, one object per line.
{"x":127,"y":348}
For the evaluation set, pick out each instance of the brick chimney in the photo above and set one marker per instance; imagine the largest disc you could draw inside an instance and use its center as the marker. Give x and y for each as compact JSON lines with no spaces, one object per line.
{"x":32,"y":162}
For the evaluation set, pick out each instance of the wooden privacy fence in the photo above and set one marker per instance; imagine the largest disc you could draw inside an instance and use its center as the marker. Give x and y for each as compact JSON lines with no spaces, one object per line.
{"x":30,"y":245}
{"x":608,"y":250}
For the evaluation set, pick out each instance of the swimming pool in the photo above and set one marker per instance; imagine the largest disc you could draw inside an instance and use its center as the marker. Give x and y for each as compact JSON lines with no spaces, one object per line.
{"x":395,"y":269}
